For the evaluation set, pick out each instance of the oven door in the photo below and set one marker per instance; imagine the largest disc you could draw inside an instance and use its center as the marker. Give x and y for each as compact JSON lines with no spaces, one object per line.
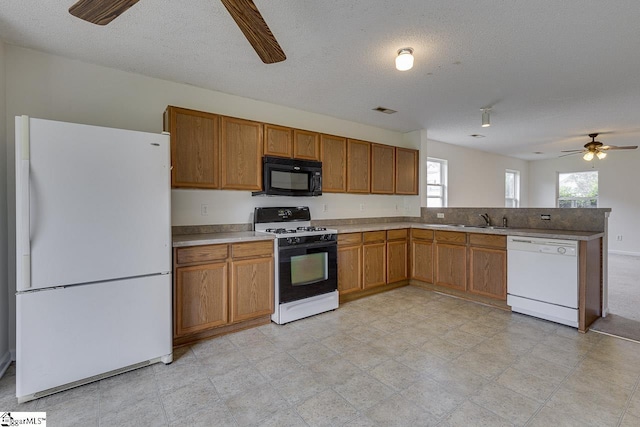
{"x":307,"y":270}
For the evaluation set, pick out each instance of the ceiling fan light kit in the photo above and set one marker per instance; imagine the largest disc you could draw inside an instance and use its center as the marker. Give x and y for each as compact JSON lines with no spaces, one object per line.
{"x":486,"y":120}
{"x":404,"y":60}
{"x":244,"y":12}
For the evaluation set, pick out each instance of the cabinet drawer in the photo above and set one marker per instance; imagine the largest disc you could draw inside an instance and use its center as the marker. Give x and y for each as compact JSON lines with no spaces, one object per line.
{"x":451,"y":237}
{"x":253,"y":249}
{"x":349,"y":239}
{"x":491,"y":240}
{"x":397,"y":234}
{"x":417,"y":233}
{"x":374,"y":236}
{"x":202,"y":253}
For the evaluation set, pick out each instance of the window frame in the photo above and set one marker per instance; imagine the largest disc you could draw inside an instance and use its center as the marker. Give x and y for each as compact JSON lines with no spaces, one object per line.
{"x":516,"y":188}
{"x":443,"y":182}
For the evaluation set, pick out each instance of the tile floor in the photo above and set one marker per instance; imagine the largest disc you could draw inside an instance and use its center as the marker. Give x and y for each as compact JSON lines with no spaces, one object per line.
{"x":408,"y":357}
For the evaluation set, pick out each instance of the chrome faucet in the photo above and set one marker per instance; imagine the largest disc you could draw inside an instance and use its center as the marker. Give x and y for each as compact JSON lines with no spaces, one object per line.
{"x":485,"y":216}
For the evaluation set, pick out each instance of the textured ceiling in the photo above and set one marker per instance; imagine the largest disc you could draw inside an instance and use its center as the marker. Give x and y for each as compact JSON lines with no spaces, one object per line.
{"x":552,"y":71}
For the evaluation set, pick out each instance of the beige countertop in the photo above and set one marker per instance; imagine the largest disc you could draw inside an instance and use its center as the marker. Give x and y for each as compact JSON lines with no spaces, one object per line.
{"x":523,"y":232}
{"x":248,"y":236}
{"x":218,"y":238}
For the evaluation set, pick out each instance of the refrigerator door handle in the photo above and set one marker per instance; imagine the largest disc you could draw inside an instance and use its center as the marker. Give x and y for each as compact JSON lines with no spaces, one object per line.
{"x":25,"y":201}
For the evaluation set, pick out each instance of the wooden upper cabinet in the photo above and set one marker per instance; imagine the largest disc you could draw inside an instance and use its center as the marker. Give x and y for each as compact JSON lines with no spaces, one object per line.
{"x":333,"y":154}
{"x":278,"y":141}
{"x":306,"y":145}
{"x":406,"y":171}
{"x":358,"y":166}
{"x":383,"y":159}
{"x":241,"y":142}
{"x":195,"y":147}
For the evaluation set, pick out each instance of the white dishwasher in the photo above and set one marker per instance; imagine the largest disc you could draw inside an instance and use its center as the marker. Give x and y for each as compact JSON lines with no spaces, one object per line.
{"x":542,"y":278}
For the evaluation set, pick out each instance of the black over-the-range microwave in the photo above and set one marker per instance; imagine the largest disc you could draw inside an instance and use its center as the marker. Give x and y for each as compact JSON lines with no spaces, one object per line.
{"x":290,"y":177}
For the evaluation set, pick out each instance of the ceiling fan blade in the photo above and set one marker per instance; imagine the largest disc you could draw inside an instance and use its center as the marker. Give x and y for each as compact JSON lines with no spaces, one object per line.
{"x":571,"y":154}
{"x":626,"y":147}
{"x":571,"y":151}
{"x":257,"y":32}
{"x":100,"y":12}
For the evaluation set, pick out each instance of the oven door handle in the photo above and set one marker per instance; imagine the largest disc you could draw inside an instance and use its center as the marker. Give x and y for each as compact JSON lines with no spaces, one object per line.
{"x":309,"y":245}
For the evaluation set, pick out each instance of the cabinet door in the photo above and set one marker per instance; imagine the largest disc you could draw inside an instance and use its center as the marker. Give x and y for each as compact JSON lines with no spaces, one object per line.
{"x":406,"y":171}
{"x":306,"y":145}
{"x":488,"y":272}
{"x":383,"y":159}
{"x":195,"y":147}
{"x":358,"y":166}
{"x":333,"y":154}
{"x":200,"y":298}
{"x":374,"y":261}
{"x":422,"y":260}
{"x":396,"y":261}
{"x":241,"y":154}
{"x":451,"y":266}
{"x":251,"y":288}
{"x":278,"y":141}
{"x":349,"y":269}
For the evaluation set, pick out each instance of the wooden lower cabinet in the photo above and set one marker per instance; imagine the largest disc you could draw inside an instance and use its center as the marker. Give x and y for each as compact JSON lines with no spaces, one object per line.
{"x":397,"y":259}
{"x":251,"y":289}
{"x":488,"y":265}
{"x":451,"y":259}
{"x":200,"y":297}
{"x":374,"y":264}
{"x":451,"y":266}
{"x":422,"y":255}
{"x":488,"y":272}
{"x":221,"y":288}
{"x":350,"y":269}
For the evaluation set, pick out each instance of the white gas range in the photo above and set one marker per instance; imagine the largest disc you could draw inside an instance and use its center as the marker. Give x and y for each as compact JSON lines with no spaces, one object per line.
{"x":306,"y":272}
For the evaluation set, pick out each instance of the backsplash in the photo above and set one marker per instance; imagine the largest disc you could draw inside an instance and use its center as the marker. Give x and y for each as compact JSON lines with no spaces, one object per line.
{"x":561,"y":218}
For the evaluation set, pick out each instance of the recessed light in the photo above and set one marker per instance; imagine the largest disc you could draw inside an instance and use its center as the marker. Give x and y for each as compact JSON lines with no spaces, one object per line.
{"x":538,"y":152}
{"x":384,"y":110}
{"x":477,"y":135}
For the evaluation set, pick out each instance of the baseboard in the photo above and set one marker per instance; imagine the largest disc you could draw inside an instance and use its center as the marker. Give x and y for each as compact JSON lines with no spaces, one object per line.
{"x":5,"y":361}
{"x":611,"y":251}
{"x":13,"y":354}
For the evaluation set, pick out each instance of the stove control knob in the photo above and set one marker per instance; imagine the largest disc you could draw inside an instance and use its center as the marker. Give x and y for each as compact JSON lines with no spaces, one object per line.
{"x":293,"y":240}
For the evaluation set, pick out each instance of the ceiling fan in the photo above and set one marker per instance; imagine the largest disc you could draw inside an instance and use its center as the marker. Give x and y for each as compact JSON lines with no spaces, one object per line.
{"x":244,"y":12}
{"x":596,"y":149}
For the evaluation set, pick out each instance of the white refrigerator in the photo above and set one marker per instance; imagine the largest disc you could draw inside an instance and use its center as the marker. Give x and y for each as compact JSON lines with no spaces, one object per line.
{"x":93,"y":254}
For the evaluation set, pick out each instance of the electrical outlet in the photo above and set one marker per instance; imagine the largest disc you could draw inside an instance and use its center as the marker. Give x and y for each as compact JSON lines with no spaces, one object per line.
{"x":545,"y":217}
{"x":440,"y":214}
{"x":397,"y":207}
{"x":619,"y":238}
{"x":204,"y":209}
{"x":361,"y":206}
{"x":325,"y":208}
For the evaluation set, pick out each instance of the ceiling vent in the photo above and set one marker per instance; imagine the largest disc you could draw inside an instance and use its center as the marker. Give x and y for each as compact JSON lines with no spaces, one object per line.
{"x":384,"y":110}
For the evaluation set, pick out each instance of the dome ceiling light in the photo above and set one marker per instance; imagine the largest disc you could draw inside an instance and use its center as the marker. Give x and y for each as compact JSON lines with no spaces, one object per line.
{"x":404,"y":60}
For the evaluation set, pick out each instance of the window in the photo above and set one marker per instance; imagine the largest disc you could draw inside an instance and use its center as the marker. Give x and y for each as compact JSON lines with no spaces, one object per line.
{"x":578,"y":190}
{"x":436,"y":183}
{"x":512,"y":188}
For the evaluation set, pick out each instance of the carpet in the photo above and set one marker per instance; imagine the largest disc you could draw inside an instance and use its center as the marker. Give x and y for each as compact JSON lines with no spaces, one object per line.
{"x":618,"y":326}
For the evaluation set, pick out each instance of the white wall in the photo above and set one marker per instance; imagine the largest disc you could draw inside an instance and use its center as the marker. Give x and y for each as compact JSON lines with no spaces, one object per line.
{"x":51,"y":87}
{"x":618,"y":178}
{"x":476,"y":178}
{"x":4,"y":277}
